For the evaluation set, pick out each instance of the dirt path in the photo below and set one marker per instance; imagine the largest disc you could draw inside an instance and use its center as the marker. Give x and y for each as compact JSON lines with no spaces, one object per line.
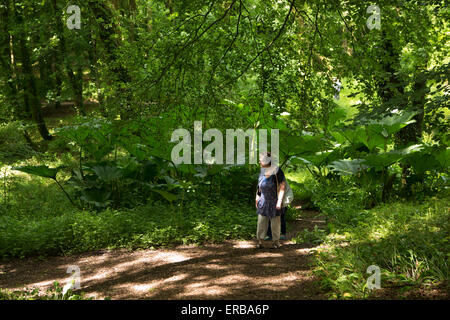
{"x":230,"y":270}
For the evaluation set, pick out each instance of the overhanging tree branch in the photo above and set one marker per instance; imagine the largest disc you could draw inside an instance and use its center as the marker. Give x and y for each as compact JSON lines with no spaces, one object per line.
{"x":231,"y":44}
{"x":267,"y":47}
{"x":187,"y":44}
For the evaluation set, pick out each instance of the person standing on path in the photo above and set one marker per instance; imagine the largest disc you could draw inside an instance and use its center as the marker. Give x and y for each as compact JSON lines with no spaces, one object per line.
{"x":269,"y":200}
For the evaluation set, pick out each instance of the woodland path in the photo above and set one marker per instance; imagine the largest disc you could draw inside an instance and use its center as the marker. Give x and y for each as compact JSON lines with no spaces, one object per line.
{"x":229,"y":270}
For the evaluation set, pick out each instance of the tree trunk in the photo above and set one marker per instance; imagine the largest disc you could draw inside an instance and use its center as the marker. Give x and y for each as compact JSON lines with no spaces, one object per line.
{"x":56,"y":70}
{"x":413,"y":132}
{"x":30,"y":92}
{"x":92,"y":55}
{"x":30,"y":96}
{"x":110,"y":42}
{"x":6,"y":61}
{"x":78,"y":88}
{"x":76,"y":81}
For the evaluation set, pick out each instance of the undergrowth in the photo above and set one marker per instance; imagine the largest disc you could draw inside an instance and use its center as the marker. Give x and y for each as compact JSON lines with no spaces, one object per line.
{"x":409,"y":242}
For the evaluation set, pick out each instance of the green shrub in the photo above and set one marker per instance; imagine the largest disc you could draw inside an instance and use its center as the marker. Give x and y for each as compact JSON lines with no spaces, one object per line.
{"x":315,"y":236}
{"x":341,"y":201}
{"x":408,"y":241}
{"x":13,"y":145}
{"x":148,"y":226}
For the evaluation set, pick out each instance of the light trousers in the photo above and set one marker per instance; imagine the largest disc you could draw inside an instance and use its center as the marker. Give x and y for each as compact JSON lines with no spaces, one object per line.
{"x":275,"y":227}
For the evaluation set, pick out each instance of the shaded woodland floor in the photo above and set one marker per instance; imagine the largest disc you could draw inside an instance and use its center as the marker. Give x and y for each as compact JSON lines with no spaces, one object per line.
{"x":230,"y":270}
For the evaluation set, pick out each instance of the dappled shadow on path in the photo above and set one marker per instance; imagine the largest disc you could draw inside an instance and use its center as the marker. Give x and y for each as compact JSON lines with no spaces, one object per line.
{"x":231,"y":270}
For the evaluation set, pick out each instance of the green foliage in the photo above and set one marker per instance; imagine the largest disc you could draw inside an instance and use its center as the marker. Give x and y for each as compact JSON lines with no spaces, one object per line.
{"x":407,"y":241}
{"x":348,"y":167}
{"x":340,"y":201}
{"x":366,"y":153}
{"x":153,"y":225}
{"x":13,"y":145}
{"x":41,"y":171}
{"x":95,"y":137}
{"x":315,"y":236}
{"x":102,"y":183}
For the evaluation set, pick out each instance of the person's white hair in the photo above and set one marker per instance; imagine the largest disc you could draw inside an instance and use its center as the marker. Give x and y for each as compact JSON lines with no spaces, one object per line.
{"x":265,"y":158}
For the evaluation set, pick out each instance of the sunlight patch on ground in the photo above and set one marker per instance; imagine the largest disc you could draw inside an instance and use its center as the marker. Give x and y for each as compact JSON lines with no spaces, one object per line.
{"x":121,"y":267}
{"x":99,"y":275}
{"x":195,"y":285}
{"x":48,"y":283}
{"x":305,"y":250}
{"x":171,"y":256}
{"x":146,"y":287}
{"x":175,"y":278}
{"x":267,"y":255}
{"x":284,"y":281}
{"x":152,"y":259}
{"x":244,"y":245}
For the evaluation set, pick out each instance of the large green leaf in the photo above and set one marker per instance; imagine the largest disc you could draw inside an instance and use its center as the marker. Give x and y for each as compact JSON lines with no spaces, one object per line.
{"x":425,"y":160}
{"x":99,"y":151}
{"x":214,"y":169}
{"x":323,"y":158}
{"x":166,"y":195}
{"x":202,"y":171}
{"x":96,"y":136}
{"x":357,"y":135}
{"x":137,"y":150}
{"x":98,"y":197}
{"x":42,"y":171}
{"x":391,"y":124}
{"x":301,"y":145}
{"x":149,"y":171}
{"x":317,"y":159}
{"x":82,"y":182}
{"x":422,"y":162}
{"x":186,"y":168}
{"x":348,"y":167}
{"x":376,"y":133}
{"x":443,"y":156}
{"x":131,"y":169}
{"x":382,"y":159}
{"x":388,"y":158}
{"x":336,"y":116}
{"x":300,"y":160}
{"x":76,"y":133}
{"x":107,"y":173}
